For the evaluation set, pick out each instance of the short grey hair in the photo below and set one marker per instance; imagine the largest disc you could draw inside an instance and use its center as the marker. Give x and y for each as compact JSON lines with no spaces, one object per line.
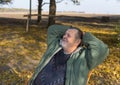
{"x":79,"y":34}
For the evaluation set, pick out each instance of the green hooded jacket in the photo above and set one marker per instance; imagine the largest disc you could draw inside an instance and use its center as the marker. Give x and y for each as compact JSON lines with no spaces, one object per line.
{"x":80,"y":62}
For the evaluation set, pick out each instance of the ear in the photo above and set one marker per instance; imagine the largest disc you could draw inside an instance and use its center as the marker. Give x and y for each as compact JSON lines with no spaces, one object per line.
{"x":78,"y":41}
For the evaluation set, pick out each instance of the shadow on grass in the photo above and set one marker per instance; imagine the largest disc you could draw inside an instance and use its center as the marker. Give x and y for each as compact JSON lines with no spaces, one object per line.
{"x":95,"y":21}
{"x":110,"y":39}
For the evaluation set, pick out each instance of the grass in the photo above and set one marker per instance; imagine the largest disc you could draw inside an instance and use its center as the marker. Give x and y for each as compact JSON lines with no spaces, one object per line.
{"x":20,"y":53}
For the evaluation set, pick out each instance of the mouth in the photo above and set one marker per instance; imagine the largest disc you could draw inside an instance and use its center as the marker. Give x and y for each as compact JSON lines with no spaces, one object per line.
{"x":64,"y":40}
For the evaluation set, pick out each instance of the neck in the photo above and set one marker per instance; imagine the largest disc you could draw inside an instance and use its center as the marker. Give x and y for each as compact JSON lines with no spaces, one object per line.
{"x":69,"y":50}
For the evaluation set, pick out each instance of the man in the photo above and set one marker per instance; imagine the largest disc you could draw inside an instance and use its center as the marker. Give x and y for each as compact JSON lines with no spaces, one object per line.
{"x":66,"y":60}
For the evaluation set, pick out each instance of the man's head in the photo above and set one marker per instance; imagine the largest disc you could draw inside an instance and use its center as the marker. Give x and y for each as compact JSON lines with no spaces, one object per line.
{"x":72,"y":38}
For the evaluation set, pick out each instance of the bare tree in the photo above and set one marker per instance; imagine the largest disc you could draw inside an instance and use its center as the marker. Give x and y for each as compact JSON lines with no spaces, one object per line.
{"x":52,"y":9}
{"x":2,"y":2}
{"x":77,"y":2}
{"x":52,"y":12}
{"x":39,"y":10}
{"x":40,"y":5}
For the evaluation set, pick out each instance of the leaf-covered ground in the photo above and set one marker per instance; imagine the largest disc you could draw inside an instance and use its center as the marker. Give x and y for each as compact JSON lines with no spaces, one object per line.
{"x":20,"y":53}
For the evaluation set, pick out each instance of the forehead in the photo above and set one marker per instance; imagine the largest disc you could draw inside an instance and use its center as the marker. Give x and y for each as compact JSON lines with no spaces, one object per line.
{"x":71,"y":31}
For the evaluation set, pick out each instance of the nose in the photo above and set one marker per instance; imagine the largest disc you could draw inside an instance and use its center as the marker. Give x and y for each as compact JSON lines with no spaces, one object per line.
{"x":64,"y":36}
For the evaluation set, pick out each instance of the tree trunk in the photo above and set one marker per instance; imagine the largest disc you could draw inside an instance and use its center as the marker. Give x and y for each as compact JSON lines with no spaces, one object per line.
{"x":52,"y":12}
{"x":39,"y":11}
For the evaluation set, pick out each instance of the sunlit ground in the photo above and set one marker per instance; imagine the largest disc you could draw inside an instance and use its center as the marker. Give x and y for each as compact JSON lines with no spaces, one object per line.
{"x":20,"y":53}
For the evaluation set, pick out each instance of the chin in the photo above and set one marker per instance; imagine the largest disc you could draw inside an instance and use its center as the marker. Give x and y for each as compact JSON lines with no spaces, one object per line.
{"x":63,"y":45}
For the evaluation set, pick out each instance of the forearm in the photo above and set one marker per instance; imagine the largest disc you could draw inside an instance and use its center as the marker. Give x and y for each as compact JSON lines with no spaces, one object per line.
{"x":98,"y":50}
{"x":55,"y":31}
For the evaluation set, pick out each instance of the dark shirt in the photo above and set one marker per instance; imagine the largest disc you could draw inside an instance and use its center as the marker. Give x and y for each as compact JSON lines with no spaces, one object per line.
{"x":54,"y":72}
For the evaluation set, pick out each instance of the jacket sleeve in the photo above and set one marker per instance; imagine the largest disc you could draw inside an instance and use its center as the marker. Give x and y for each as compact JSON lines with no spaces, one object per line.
{"x":97,"y":50}
{"x":55,"y":32}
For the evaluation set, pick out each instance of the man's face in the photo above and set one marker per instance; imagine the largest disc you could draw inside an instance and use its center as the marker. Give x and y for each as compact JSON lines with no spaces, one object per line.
{"x":69,"y":39}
